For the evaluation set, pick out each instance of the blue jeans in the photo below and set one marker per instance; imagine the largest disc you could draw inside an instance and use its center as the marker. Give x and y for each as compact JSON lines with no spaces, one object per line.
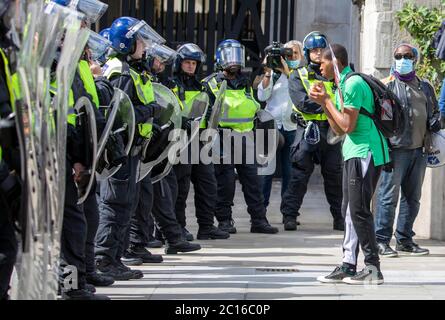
{"x":289,"y":137}
{"x":408,"y":174}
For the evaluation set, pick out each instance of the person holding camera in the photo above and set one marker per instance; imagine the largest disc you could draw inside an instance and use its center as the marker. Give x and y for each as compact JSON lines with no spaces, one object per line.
{"x":311,"y":145}
{"x":273,"y":89}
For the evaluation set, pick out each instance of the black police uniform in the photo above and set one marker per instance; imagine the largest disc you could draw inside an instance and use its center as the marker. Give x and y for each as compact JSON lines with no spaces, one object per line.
{"x":304,"y":156}
{"x":201,"y":175}
{"x":247,"y":174}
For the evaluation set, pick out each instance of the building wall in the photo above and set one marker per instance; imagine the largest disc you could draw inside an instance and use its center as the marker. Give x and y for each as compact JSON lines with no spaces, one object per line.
{"x":339,"y":20}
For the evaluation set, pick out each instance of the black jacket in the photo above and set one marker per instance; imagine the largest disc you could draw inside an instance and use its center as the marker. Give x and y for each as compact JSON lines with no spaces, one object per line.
{"x":298,"y":93}
{"x":404,"y":140}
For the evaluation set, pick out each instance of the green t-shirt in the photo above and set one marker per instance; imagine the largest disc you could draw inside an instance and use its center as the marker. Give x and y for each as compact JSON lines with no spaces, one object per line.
{"x":365,"y":138}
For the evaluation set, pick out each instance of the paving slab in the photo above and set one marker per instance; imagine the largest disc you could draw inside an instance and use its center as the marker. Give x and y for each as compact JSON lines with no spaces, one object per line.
{"x":282,"y":266}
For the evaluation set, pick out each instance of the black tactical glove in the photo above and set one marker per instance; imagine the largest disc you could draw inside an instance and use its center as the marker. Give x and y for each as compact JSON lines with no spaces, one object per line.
{"x":297,"y":118}
{"x":155,"y":110}
{"x":116,"y":150}
{"x":389,"y":167}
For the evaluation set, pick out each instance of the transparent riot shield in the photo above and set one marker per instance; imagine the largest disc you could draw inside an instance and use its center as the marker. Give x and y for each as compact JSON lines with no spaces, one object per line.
{"x":215,"y":115}
{"x":87,"y":122}
{"x":44,"y":177}
{"x":120,"y":120}
{"x":170,"y":124}
{"x":196,"y":111}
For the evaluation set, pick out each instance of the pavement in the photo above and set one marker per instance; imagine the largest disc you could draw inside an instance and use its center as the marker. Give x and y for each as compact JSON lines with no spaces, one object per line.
{"x":282,"y":266}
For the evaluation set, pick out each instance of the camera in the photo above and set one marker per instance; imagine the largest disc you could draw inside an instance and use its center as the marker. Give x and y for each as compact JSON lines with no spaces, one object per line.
{"x":274,"y":53}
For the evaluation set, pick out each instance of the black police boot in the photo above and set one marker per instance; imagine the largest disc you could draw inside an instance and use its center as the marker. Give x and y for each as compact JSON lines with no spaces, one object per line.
{"x":135,"y":274}
{"x":181,"y":246}
{"x":262,"y":226}
{"x":227,"y":226}
{"x":109,"y":269}
{"x":187,"y":235}
{"x":99,"y":280}
{"x":82,"y":294}
{"x":290,"y":223}
{"x":211,"y":232}
{"x":139,"y":251}
{"x":339,"y":224}
{"x":154,"y":244}
{"x":130,"y":259}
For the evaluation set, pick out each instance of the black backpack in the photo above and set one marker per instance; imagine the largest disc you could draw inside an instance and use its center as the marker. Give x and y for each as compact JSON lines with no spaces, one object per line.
{"x":388,"y":116}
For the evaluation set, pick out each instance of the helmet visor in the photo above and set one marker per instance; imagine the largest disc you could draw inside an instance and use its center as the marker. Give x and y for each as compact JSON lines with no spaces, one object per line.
{"x":145,"y":33}
{"x":315,"y":41}
{"x":191,"y":51}
{"x":232,"y":55}
{"x":93,"y":9}
{"x":98,"y":45}
{"x":163,"y":53}
{"x":64,"y":12}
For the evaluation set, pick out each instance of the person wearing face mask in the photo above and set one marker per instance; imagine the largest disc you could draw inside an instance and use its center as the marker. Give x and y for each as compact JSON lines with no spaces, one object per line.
{"x":238,"y":117}
{"x":408,"y":155}
{"x":311,"y":146}
{"x":274,"y":90}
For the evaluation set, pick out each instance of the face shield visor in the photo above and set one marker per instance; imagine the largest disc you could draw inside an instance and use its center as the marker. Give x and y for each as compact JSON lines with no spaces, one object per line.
{"x":232,"y":55}
{"x":98,"y":45}
{"x":93,"y":9}
{"x":145,"y":33}
{"x":315,"y":41}
{"x":192,"y":52}
{"x":163,"y":53}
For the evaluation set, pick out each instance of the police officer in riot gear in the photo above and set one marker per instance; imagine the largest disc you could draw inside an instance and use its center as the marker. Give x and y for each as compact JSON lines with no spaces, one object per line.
{"x":165,"y":190}
{"x":9,"y":184}
{"x":239,"y":114}
{"x":186,"y":86}
{"x":118,"y":194}
{"x":310,"y":146}
{"x":80,"y":221}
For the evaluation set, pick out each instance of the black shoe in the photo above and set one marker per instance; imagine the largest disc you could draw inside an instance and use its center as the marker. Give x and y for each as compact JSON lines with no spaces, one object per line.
{"x":135,"y":274}
{"x":99,"y":280}
{"x":154,"y":244}
{"x":386,"y":251}
{"x":139,"y":251}
{"x":298,"y":222}
{"x":181,"y":246}
{"x":187,"y":235}
{"x":108,"y":269}
{"x":131,"y":260}
{"x":337,"y":275}
{"x":82,"y":294}
{"x":290,"y":224}
{"x":411,"y":249}
{"x":262,"y":226}
{"x":89,"y":287}
{"x":369,"y":275}
{"x":339,"y":224}
{"x":227,"y":226}
{"x":212,"y":232}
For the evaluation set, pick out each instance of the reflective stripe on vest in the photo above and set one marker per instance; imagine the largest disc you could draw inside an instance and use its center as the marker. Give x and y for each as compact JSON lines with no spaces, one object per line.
{"x":304,"y":76}
{"x":9,"y":81}
{"x":71,"y":119}
{"x":88,"y":81}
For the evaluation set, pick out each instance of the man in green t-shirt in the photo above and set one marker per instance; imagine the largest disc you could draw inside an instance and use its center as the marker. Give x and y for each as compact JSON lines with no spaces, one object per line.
{"x":365,"y":152}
